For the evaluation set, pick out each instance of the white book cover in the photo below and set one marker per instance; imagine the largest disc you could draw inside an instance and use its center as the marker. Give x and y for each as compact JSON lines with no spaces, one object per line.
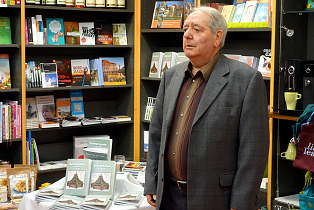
{"x":87,"y":33}
{"x":249,"y":11}
{"x":80,"y":143}
{"x":181,"y":58}
{"x":46,"y":108}
{"x":119,"y":34}
{"x":169,"y":60}
{"x":49,"y":76}
{"x":34,"y":30}
{"x":155,"y":66}
{"x":31,"y":113}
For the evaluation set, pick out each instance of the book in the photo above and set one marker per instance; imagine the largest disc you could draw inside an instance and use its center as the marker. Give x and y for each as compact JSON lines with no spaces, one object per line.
{"x":5,"y":78}
{"x":63,"y":107}
{"x":77,"y":107}
{"x":249,"y":60}
{"x":129,"y":198}
{"x":55,"y":31}
{"x":264,"y":65}
{"x":46,"y":108}
{"x":237,"y":2}
{"x":122,"y":118}
{"x":94,"y":78}
{"x":103,"y":32}
{"x":49,"y":75}
{"x":149,"y":107}
{"x":5,"y":30}
{"x":67,"y":202}
{"x":188,"y":8}
{"x":249,"y":11}
{"x":261,"y":13}
{"x":228,"y":12}
{"x":77,"y":177}
{"x":72,"y":33}
{"x":91,"y":121}
{"x":238,"y":13}
{"x":64,"y":72}
{"x":80,"y":142}
{"x":102,"y":179}
{"x":87,"y":35}
{"x":39,"y":29}
{"x":119,"y":34}
{"x":168,"y":61}
{"x":101,"y":202}
{"x":80,"y":72}
{"x":233,"y":56}
{"x":181,"y":57}
{"x":71,"y":121}
{"x":49,"y":124}
{"x":47,"y":194}
{"x":155,"y":65}
{"x":98,"y":149}
{"x":158,"y":18}
{"x":113,"y":70}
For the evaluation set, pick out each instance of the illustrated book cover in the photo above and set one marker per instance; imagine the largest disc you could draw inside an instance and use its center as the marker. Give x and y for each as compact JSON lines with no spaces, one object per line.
{"x":155,"y":65}
{"x":67,"y":202}
{"x":129,"y":198}
{"x":63,"y":107}
{"x":46,"y":108}
{"x":249,"y":11}
{"x":80,"y":72}
{"x":64,"y":73}
{"x":261,"y":13}
{"x":77,"y":177}
{"x":168,"y":61}
{"x":5,"y":30}
{"x":87,"y":34}
{"x":96,"y":202}
{"x":80,"y":142}
{"x":94,"y":73}
{"x":228,"y":12}
{"x":119,"y":34}
{"x":49,"y":75}
{"x":113,"y":69}
{"x":31,"y":113}
{"x":103,"y":32}
{"x":238,"y":13}
{"x":72,"y":33}
{"x":77,"y":106}
{"x":5,"y":78}
{"x":55,"y":31}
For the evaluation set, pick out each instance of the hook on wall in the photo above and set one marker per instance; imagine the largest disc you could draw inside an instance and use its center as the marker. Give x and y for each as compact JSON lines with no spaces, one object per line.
{"x":289,"y":32}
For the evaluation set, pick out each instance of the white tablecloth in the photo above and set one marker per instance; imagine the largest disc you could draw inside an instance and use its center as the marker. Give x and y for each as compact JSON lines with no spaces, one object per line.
{"x":124,"y":183}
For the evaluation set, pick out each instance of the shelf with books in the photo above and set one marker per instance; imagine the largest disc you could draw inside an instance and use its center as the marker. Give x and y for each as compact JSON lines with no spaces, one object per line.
{"x":166,"y":30}
{"x":17,"y":90}
{"x":4,"y":46}
{"x":86,"y":9}
{"x":78,"y":46}
{"x":29,"y":90}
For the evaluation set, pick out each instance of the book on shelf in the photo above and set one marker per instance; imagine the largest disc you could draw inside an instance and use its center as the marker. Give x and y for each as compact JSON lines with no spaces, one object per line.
{"x":5,"y":78}
{"x":129,"y":198}
{"x":91,"y":120}
{"x":181,"y":57}
{"x":64,"y":73}
{"x":80,"y":72}
{"x":63,"y":107}
{"x":39,"y":29}
{"x":236,"y":2}
{"x":77,"y":106}
{"x":14,"y":128}
{"x":113,"y":69}
{"x":94,"y":202}
{"x":87,"y":35}
{"x":238,"y":13}
{"x":49,"y":124}
{"x":46,"y":111}
{"x":105,"y":120}
{"x":77,"y":177}
{"x":264,"y":65}
{"x":49,"y":75}
{"x":228,"y":12}
{"x":72,"y":34}
{"x":103,"y":32}
{"x":5,"y":30}
{"x":122,"y":118}
{"x":233,"y":56}
{"x":188,"y":8}
{"x":55,"y":31}
{"x":119,"y":34}
{"x":149,"y":108}
{"x":249,"y":11}
{"x":250,"y":60}
{"x":155,"y":65}
{"x":71,"y":121}
{"x":80,"y":142}
{"x":5,"y":121}
{"x":168,"y":61}
{"x":94,"y":73}
{"x":146,"y":141}
{"x":98,"y":149}
{"x":261,"y":13}
{"x":157,"y":19}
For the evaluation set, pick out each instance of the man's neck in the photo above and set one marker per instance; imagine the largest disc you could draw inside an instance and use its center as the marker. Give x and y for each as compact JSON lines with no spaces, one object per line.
{"x":197,"y":65}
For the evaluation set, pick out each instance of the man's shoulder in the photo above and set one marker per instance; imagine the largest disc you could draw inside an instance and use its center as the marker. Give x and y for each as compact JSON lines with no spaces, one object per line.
{"x":241,"y":68}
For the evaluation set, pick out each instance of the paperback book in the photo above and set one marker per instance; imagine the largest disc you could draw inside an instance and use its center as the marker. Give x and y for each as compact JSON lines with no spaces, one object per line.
{"x":249,"y":11}
{"x":77,"y":107}
{"x":80,"y":72}
{"x":80,"y":142}
{"x":67,"y":202}
{"x":46,"y":108}
{"x":48,"y":194}
{"x":64,"y":73}
{"x":94,"y":78}
{"x":98,"y":149}
{"x":5,"y":78}
{"x":103,"y":32}
{"x":169,"y":60}
{"x":238,"y":13}
{"x":31,"y":113}
{"x":55,"y":31}
{"x":95,"y":202}
{"x":119,"y":34}
{"x":261,"y":14}
{"x":72,"y":33}
{"x":5,"y":30}
{"x":87,"y":35}
{"x":129,"y":198}
{"x":155,"y":65}
{"x":49,"y":75}
{"x":63,"y":106}
{"x":228,"y":12}
{"x":113,"y":70}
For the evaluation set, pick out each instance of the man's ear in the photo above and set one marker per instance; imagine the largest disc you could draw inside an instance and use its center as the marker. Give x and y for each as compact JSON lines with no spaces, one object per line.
{"x":219,"y":35}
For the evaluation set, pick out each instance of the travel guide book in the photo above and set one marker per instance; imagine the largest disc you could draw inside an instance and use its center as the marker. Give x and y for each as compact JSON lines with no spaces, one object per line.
{"x":113,"y":70}
{"x":77,"y":106}
{"x":80,"y":72}
{"x":5,"y":78}
{"x":72,"y":33}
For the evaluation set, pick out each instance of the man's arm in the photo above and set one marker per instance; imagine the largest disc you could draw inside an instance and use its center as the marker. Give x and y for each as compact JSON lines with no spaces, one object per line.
{"x":253,"y":145}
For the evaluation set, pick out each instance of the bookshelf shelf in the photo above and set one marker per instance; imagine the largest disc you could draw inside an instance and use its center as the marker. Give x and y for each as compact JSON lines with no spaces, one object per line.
{"x":151,"y":79}
{"x":162,"y":30}
{"x":51,"y":170}
{"x":10,"y":6}
{"x":10,"y":45}
{"x":282,"y":117}
{"x":10,"y":90}
{"x":29,"y":90}
{"x":79,"y":46}
{"x":298,"y":12}
{"x":11,"y":140}
{"x":104,"y":10}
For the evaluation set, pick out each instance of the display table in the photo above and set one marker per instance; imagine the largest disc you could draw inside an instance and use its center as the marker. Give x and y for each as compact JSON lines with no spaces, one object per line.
{"x":124,"y":183}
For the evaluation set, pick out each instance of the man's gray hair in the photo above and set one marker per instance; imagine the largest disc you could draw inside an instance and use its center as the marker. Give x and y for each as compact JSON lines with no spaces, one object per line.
{"x":216,"y":21}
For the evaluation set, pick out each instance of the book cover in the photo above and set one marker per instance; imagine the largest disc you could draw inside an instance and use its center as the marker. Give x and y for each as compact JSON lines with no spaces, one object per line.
{"x":46,"y":108}
{"x":188,"y":7}
{"x":236,"y":2}
{"x":49,"y":75}
{"x":264,"y":65}
{"x":72,"y":33}
{"x":63,"y":106}
{"x":77,"y":177}
{"x":102,"y":180}
{"x":249,"y":60}
{"x":119,"y":34}
{"x":249,"y":11}
{"x":87,"y":35}
{"x":103,"y":32}
{"x":5,"y":78}
{"x":169,"y":60}
{"x":181,"y":57}
{"x":64,"y":72}
{"x":96,"y":202}
{"x":55,"y":31}
{"x":94,"y":78}
{"x":158,"y":18}
{"x":261,"y":14}
{"x":155,"y":65}
{"x":77,"y":107}
{"x":98,"y":149}
{"x":173,"y":14}
{"x":80,"y":142}
{"x":228,"y":12}
{"x":238,"y":13}
{"x":5,"y":30}
{"x":113,"y":70}
{"x":129,"y":198}
{"x":80,"y":72}
{"x":67,"y":202}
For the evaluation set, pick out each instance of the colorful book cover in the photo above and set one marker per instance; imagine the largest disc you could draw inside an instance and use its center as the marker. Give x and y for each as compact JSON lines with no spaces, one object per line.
{"x":236,"y":2}
{"x":169,"y":60}
{"x":77,"y":177}
{"x":102,"y":180}
{"x":119,"y":34}
{"x":64,"y":73}
{"x":46,"y":108}
{"x":5,"y":30}
{"x":5,"y":78}
{"x":228,"y":12}
{"x":188,"y":7}
{"x":77,"y":107}
{"x":249,"y":11}
{"x":168,"y":14}
{"x":113,"y":70}
{"x":49,"y":75}
{"x":261,"y":14}
{"x":103,"y":32}
{"x":63,"y":107}
{"x":94,"y":78}
{"x":80,"y":72}
{"x":238,"y":13}
{"x":55,"y":31}
{"x":87,"y":34}
{"x":72,"y":33}
{"x":157,"y":19}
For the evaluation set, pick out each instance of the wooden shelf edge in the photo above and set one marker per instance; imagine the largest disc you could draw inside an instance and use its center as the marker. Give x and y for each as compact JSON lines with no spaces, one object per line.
{"x":10,"y":45}
{"x":282,"y":117}
{"x":151,"y":78}
{"x":79,"y":46}
{"x":10,"y":90}
{"x":180,"y":30}
{"x":77,"y":88}
{"x":86,"y":9}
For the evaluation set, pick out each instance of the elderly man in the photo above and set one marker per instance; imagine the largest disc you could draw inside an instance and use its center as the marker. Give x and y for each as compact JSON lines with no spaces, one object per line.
{"x":208,"y":142}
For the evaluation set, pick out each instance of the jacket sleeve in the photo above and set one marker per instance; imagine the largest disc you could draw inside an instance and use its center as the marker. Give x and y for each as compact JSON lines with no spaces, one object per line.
{"x":253,"y":145}
{"x":155,"y":129}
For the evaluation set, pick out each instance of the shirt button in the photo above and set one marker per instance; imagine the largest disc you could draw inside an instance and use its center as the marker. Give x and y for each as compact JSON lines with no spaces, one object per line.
{"x":173,"y":153}
{"x":177,"y":133}
{"x":181,"y":114}
{"x":188,"y":97}
{"x":193,"y":80}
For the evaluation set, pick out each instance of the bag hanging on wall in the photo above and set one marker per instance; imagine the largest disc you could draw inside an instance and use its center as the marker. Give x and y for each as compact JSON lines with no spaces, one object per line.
{"x":305,"y":154}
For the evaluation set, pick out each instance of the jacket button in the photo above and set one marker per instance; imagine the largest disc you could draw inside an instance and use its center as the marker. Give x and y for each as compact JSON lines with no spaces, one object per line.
{"x":162,"y":179}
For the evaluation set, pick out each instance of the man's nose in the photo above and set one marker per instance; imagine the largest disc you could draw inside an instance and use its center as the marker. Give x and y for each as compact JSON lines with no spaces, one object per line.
{"x":187,"y":34}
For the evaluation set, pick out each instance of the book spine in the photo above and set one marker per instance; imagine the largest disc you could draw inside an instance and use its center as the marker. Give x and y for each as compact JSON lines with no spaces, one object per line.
{"x":9,"y":122}
{"x":34,"y":30}
{"x":1,"y":122}
{"x":30,"y":30}
{"x":40,"y":29}
{"x":26,"y":32}
{"x":14,"y":120}
{"x":20,"y":121}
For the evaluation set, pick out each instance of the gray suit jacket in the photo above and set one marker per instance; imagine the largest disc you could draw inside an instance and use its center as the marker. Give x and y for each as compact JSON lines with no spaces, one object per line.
{"x":228,"y":146}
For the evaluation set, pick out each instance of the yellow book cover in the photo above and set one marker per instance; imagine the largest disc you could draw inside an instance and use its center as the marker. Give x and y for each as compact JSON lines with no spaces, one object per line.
{"x":228,"y":12}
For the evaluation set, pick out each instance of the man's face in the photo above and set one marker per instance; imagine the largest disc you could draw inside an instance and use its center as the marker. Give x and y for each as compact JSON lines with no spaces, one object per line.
{"x":199,"y":43}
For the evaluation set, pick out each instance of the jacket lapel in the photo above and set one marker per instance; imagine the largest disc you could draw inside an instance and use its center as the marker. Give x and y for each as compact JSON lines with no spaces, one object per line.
{"x":214,"y":86}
